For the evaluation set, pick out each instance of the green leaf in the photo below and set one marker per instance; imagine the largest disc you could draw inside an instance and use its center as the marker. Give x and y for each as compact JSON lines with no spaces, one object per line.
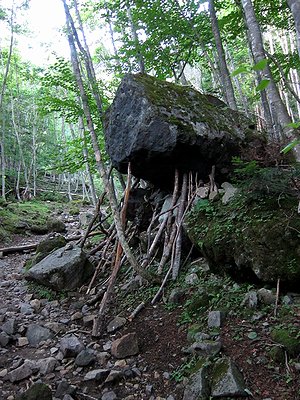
{"x":263,"y":84}
{"x":260,"y":65}
{"x":290,"y":146}
{"x":295,"y":125}
{"x":240,"y":70}
{"x":252,"y":335}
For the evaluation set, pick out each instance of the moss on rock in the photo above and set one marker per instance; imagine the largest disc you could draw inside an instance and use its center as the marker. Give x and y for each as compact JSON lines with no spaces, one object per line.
{"x":289,"y":340}
{"x":256,"y":238}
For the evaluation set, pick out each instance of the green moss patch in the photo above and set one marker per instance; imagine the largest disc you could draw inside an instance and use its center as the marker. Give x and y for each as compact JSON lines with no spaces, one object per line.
{"x":289,"y":340}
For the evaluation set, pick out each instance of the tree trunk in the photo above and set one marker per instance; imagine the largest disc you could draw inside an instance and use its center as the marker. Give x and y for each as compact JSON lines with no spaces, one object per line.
{"x":135,"y":39}
{"x":21,"y":153}
{"x":3,"y":161}
{"x":277,"y":107}
{"x":227,"y":86}
{"x":100,"y":165}
{"x":295,"y":8}
{"x":87,"y":165}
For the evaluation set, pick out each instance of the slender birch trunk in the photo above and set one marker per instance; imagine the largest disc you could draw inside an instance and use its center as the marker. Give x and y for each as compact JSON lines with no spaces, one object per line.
{"x":295,"y":9}
{"x":135,"y":39}
{"x":227,"y":86}
{"x":72,"y":37}
{"x":277,"y":107}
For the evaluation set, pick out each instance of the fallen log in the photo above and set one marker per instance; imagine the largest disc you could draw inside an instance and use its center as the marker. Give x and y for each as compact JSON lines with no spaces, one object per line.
{"x":33,"y":246}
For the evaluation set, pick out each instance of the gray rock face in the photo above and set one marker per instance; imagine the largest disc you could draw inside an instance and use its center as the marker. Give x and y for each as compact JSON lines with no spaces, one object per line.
{"x":36,"y":333}
{"x":85,"y":357}
{"x":215,"y":319}
{"x":47,"y":365}
{"x":9,"y":326}
{"x":198,"y":385}
{"x":126,"y":346}
{"x":64,"y":269}
{"x":97,"y":375}
{"x":158,"y":126}
{"x":20,"y":373}
{"x":227,"y":380}
{"x":70,"y":346}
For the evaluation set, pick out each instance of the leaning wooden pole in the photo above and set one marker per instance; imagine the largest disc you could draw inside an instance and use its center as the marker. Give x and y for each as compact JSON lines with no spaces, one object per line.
{"x":97,"y":326}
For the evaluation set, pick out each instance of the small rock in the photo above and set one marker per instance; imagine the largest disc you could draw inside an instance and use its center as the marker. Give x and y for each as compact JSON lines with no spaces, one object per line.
{"x":176,"y":296}
{"x":22,"y":341}
{"x":85,"y":357}
{"x":4,"y":339}
{"x":114,"y":376}
{"x":20,"y":373}
{"x":3,"y":373}
{"x":107,"y":345}
{"x":64,"y":388}
{"x":250,"y":299}
{"x":9,"y":327}
{"x":287,"y":300}
{"x":35,"y":304}
{"x":76,"y":316}
{"x":126,"y":346}
{"x":266,"y":296}
{"x":205,"y":348}
{"x":215,"y":319}
{"x":109,"y":396}
{"x":97,"y":375}
{"x":120,"y":363}
{"x":26,"y":309}
{"x":102,"y":357}
{"x":88,"y":320}
{"x":70,"y":346}
{"x":191,"y":279}
{"x":47,"y":365}
{"x":230,"y":192}
{"x":36,"y":333}
{"x":115,"y":324}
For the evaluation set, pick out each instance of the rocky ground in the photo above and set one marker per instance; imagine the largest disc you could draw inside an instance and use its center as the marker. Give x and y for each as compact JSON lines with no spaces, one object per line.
{"x":47,"y":339}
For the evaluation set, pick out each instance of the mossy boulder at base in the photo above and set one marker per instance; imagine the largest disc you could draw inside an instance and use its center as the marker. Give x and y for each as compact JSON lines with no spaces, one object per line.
{"x":158,"y":127}
{"x":250,"y":239}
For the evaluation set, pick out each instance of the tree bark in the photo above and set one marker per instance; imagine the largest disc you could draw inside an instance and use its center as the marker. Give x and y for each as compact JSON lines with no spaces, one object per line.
{"x":135,"y":39}
{"x":227,"y":86}
{"x":277,"y":107}
{"x":295,"y":9}
{"x":100,"y":165}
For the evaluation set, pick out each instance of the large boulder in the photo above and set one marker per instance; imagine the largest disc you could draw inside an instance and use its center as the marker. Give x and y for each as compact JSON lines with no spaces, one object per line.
{"x":159,"y":126}
{"x":63,"y":269}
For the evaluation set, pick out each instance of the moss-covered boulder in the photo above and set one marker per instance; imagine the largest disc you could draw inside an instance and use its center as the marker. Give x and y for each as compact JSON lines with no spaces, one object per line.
{"x":254,"y":238}
{"x":38,"y":391}
{"x":288,"y":339}
{"x":159,"y":127}
{"x":45,"y":247}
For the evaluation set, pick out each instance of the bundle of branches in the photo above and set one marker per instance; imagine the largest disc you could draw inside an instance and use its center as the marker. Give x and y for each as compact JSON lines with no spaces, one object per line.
{"x":158,"y":246}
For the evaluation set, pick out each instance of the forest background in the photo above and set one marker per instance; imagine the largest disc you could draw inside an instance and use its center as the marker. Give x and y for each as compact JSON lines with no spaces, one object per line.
{"x":245,"y":52}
